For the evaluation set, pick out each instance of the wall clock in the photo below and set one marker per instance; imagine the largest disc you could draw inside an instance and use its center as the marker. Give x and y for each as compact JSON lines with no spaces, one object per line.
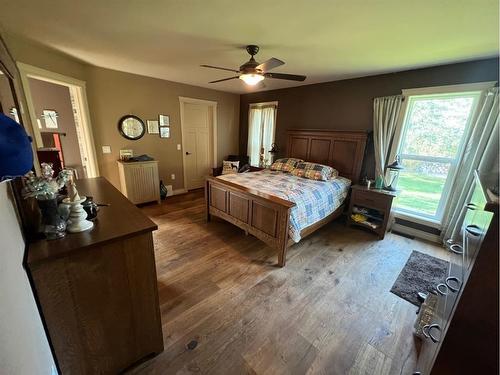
{"x":131,"y":127}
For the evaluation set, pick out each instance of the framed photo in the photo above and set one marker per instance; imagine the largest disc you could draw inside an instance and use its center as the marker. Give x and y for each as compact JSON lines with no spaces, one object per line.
{"x":50,"y":117}
{"x":126,"y":154}
{"x":164,"y":132}
{"x":164,"y":120}
{"x":153,"y":127}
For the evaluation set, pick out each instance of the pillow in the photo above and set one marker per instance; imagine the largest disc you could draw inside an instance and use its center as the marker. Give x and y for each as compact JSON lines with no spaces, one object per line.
{"x":230,"y":167}
{"x":314,"y":171}
{"x":285,"y":164}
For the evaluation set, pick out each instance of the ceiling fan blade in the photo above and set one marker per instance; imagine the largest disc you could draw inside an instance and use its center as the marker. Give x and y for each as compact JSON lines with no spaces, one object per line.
{"x":218,"y":67}
{"x":270,"y":64}
{"x":290,"y":77}
{"x":224,"y":79}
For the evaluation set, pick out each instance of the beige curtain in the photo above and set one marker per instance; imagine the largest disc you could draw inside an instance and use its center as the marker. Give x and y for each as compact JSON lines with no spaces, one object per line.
{"x":481,"y":153}
{"x":254,"y":135}
{"x":261,"y":130}
{"x":386,"y":112}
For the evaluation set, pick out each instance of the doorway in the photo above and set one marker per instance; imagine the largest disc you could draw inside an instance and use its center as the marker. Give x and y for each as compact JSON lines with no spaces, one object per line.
{"x":57,"y":106}
{"x":199,"y":140}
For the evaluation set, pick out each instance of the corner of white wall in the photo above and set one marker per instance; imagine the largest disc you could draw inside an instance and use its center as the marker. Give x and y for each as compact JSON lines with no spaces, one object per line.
{"x":24,"y":348}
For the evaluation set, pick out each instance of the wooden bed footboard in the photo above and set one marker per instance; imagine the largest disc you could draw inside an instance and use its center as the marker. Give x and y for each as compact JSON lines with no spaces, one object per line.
{"x":264,"y":216}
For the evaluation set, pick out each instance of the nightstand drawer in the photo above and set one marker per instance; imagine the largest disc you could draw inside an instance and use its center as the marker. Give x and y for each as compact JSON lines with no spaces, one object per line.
{"x":370,"y":200}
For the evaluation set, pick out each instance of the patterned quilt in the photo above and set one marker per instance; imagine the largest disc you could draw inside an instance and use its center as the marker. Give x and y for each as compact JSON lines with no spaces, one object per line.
{"x":314,"y":199}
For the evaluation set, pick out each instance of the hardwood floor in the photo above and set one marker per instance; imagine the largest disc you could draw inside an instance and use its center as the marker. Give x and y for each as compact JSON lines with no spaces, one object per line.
{"x":227,"y":309}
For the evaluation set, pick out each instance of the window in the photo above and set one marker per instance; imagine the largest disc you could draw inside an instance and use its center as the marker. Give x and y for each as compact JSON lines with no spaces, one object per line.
{"x":431,"y":146}
{"x":261,"y":129}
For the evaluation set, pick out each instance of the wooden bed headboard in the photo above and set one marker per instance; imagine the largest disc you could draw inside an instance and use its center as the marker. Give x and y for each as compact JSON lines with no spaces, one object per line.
{"x":342,"y":150}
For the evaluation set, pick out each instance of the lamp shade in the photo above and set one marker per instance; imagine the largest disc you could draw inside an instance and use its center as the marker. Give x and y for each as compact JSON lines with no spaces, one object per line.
{"x":396,"y":164}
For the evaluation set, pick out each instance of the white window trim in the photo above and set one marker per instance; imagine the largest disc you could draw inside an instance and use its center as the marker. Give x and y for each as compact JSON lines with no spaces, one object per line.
{"x":437,"y":90}
{"x":479,"y":87}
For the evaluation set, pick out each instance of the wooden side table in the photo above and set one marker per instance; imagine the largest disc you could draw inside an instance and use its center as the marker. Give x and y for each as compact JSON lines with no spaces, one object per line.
{"x":375,"y":204}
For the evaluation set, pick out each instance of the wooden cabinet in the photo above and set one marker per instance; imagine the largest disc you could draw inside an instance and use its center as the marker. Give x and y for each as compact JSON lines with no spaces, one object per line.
{"x":97,"y":290}
{"x":375,"y":204}
{"x":462,"y":334}
{"x":139,"y":181}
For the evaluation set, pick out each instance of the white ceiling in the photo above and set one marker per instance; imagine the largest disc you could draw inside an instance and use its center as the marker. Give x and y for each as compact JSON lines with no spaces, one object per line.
{"x":323,"y":39}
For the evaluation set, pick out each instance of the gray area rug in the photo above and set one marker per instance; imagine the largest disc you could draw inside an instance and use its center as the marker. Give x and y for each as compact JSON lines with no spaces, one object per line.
{"x":421,"y":273}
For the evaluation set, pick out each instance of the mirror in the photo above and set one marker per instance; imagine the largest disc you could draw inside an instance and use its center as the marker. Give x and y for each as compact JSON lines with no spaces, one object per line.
{"x":8,"y":105}
{"x":131,"y":127}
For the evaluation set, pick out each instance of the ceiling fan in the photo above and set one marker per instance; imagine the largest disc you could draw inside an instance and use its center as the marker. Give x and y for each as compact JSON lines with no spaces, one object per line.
{"x":253,"y":72}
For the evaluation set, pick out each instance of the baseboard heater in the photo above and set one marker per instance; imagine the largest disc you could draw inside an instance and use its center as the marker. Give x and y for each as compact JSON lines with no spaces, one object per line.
{"x":411,"y":230}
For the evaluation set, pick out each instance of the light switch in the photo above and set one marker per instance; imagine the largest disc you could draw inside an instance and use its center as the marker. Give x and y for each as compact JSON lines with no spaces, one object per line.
{"x":106,"y":149}
{"x":178,"y":147}
{"x":172,"y":176}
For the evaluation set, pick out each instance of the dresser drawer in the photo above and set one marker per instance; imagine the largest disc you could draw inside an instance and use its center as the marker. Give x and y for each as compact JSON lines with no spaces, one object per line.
{"x":473,"y":235}
{"x":478,"y":199}
{"x":370,"y":200}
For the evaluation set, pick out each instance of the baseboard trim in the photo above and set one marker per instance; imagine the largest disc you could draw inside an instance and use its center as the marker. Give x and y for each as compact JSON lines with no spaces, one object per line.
{"x":179,"y":191}
{"x":416,"y":233}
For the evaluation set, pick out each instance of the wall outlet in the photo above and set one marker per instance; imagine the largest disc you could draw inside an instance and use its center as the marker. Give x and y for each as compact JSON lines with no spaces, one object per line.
{"x":178,"y":147}
{"x":106,"y":149}
{"x":172,"y":176}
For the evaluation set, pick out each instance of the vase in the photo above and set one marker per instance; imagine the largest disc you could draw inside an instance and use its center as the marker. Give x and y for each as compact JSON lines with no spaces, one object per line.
{"x":53,"y":225}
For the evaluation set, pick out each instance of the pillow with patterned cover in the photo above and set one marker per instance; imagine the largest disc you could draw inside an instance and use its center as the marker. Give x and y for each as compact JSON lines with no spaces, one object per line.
{"x":315,"y":171}
{"x":230,"y":167}
{"x":285,"y":164}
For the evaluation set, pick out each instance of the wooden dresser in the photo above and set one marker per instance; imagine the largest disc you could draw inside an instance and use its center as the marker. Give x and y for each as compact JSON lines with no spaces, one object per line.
{"x":97,"y":290}
{"x":461,"y":334}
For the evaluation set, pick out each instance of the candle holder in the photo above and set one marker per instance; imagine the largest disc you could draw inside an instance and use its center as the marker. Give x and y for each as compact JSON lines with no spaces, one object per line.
{"x":77,"y":220}
{"x":77,"y":216}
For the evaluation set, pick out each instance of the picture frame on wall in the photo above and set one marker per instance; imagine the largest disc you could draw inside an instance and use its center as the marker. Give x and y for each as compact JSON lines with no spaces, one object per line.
{"x":50,"y":117}
{"x":153,"y":127}
{"x":164,"y":132}
{"x":164,"y":120}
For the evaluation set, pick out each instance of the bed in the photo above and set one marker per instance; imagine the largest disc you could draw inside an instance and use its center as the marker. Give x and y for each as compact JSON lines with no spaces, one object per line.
{"x":281,"y":209}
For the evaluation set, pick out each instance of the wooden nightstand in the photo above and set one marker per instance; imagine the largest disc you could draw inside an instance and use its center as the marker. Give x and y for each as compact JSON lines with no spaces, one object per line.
{"x":375,"y":204}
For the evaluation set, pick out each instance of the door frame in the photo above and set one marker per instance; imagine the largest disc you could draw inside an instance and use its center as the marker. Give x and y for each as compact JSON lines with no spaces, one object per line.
{"x":79,"y":89}
{"x":182,"y":101}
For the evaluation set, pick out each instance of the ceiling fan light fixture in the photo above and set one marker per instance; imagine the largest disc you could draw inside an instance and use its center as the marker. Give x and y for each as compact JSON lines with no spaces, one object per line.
{"x":251,"y":79}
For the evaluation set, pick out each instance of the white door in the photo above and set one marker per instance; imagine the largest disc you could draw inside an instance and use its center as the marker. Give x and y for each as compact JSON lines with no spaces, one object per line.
{"x":197,"y":133}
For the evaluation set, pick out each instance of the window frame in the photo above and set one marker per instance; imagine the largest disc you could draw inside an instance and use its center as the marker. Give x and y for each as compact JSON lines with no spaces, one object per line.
{"x":477,"y":91}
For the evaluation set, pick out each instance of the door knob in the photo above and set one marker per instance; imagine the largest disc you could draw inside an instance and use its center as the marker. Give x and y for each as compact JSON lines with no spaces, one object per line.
{"x":188,"y":153}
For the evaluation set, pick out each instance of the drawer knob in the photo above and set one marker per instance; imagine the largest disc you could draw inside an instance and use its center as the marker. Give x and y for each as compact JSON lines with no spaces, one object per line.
{"x":473,"y":230}
{"x":429,"y":332}
{"x":454,"y":279}
{"x":425,"y":330}
{"x":456,"y":249}
{"x":442,"y":289}
{"x":470,"y":206}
